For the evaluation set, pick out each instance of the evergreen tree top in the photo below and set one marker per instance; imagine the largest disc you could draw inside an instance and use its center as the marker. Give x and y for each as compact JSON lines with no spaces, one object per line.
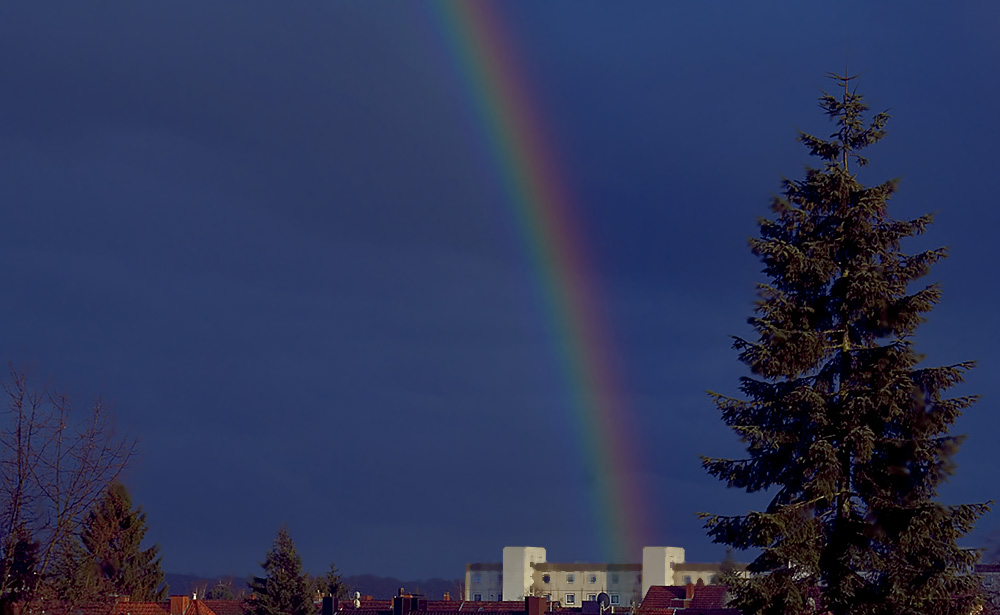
{"x":283,"y":589}
{"x":852,"y":135}
{"x":110,"y":558}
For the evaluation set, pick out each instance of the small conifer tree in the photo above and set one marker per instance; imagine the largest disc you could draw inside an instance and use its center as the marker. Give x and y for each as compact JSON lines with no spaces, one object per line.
{"x":283,"y":589}
{"x":330,"y":584}
{"x":114,"y":562}
{"x":843,"y":427}
{"x":18,"y":569}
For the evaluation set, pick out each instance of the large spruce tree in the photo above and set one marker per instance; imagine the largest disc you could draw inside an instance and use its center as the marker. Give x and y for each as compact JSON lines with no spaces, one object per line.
{"x":283,"y":589}
{"x":114,"y":562}
{"x":844,"y":429}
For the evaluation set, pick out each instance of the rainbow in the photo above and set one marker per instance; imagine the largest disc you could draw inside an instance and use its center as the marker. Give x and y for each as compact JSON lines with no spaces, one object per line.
{"x":528,"y":167}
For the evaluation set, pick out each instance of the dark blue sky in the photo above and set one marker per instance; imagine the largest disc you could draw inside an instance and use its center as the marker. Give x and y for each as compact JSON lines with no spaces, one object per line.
{"x":264,"y":232}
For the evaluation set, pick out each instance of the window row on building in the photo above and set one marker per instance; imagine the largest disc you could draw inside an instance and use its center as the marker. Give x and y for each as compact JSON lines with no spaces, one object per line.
{"x":524,"y":571}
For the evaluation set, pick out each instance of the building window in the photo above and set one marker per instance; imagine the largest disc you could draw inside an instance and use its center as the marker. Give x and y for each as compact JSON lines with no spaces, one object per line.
{"x":546,"y":578}
{"x":713,"y":579}
{"x":477,"y":578}
{"x":687,"y":579}
{"x":614,"y":578}
{"x":570,"y":598}
{"x":615,"y":599}
{"x":592,"y":597}
{"x":548,"y":597}
{"x":592,"y":579}
{"x":477,"y":597}
{"x":571,"y":578}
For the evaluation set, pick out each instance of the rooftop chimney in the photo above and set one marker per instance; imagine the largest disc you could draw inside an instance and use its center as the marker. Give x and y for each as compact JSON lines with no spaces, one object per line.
{"x":401,"y":605}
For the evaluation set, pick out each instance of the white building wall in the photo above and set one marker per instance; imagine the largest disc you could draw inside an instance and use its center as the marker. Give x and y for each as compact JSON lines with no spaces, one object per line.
{"x":683,"y":576}
{"x":553,"y":582}
{"x":626,"y":583}
{"x":518,"y":565}
{"x":557,"y":586}
{"x":483,"y":581}
{"x":658,"y":566}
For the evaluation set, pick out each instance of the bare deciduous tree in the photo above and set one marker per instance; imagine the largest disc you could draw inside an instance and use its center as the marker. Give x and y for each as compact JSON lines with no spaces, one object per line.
{"x":55,"y":463}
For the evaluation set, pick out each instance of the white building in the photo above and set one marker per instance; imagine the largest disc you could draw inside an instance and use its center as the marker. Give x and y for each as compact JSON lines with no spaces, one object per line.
{"x":525,"y":572}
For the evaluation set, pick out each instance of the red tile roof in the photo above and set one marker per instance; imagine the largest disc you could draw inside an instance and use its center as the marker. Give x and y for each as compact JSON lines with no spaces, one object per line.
{"x":366,"y":605}
{"x":225,"y":607}
{"x":127,"y":607}
{"x":666,"y":600}
{"x":477,"y":605}
{"x":709,"y":597}
{"x":139,"y":608}
{"x":662,"y":600}
{"x":198,"y":607}
{"x":124,"y":606}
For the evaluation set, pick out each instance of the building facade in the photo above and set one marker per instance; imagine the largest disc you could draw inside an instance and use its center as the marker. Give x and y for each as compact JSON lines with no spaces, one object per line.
{"x":525,"y":571}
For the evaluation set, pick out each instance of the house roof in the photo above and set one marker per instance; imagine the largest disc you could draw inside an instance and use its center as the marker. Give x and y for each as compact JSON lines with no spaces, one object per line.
{"x":709,"y":597}
{"x":124,"y":606}
{"x":198,"y":607}
{"x":366,"y":606}
{"x":224,"y":607}
{"x":703,"y":600}
{"x":111,"y":606}
{"x":467,"y":606}
{"x":662,"y":600}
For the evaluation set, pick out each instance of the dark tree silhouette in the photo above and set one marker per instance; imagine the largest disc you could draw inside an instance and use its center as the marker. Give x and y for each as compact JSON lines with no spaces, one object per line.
{"x":283,"y":589}
{"x":114,"y":562}
{"x":842,"y":425}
